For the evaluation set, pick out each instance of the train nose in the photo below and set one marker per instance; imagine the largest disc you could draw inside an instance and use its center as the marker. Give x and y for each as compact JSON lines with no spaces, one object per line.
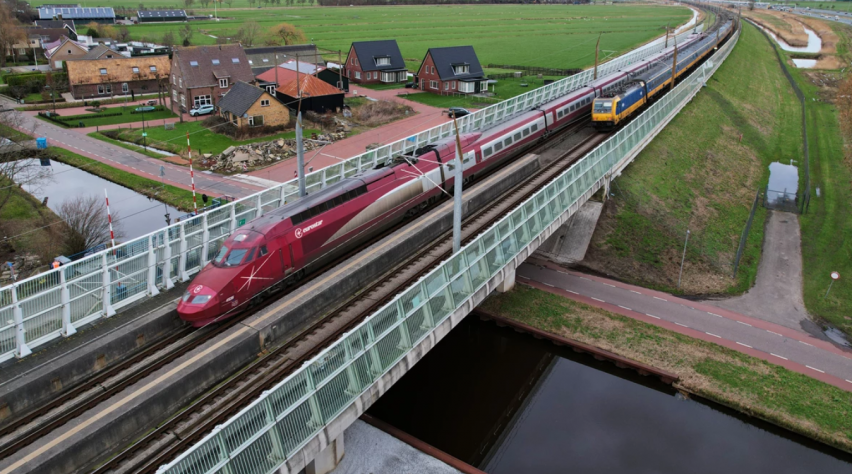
{"x":198,"y":306}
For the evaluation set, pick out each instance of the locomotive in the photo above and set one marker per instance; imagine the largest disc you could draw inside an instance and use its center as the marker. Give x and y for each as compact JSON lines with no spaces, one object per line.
{"x":282,"y":246}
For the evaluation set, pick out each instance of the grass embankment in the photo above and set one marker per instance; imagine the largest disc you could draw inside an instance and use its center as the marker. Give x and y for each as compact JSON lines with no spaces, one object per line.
{"x":12,"y":134}
{"x":203,"y":139}
{"x":126,"y":146}
{"x":108,"y":117}
{"x":701,"y":174}
{"x":504,"y":89}
{"x":171,"y":195}
{"x":753,"y":386}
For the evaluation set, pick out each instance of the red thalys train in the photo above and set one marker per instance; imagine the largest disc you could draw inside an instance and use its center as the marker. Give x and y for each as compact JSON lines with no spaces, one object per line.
{"x":284,"y":244}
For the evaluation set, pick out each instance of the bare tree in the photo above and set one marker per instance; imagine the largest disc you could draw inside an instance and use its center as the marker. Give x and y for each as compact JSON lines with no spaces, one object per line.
{"x":123,"y":34}
{"x":169,"y":38}
{"x":285,"y":33}
{"x":10,"y":32}
{"x":88,"y":224}
{"x":248,"y":33}
{"x":185,"y":33}
{"x":188,"y":3}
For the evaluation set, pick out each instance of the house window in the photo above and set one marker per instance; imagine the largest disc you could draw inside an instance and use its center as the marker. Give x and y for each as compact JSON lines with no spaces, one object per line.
{"x":173,"y":79}
{"x":270,"y":89}
{"x":357,"y":75}
{"x":109,"y":88}
{"x":69,"y":51}
{"x":109,"y":56}
{"x":466,"y":87}
{"x":223,"y":83}
{"x":433,"y":84}
{"x":183,"y":101}
{"x":454,"y":85}
{"x":251,"y":62}
{"x":135,"y":70}
{"x":235,"y":60}
{"x":375,"y":74}
{"x":264,"y":103}
{"x":215,"y":62}
{"x":103,"y":71}
{"x":180,"y":82}
{"x":153,"y":68}
{"x":200,"y":100}
{"x":382,"y":61}
{"x":174,"y":95}
{"x":100,"y":89}
{"x":483,"y":86}
{"x":446,"y":86}
{"x":255,"y":121}
{"x":124,"y":88}
{"x":461,"y":69}
{"x":193,"y":63}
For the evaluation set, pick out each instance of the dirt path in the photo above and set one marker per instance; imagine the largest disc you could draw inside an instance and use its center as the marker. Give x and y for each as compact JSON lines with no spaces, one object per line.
{"x":777,"y":294}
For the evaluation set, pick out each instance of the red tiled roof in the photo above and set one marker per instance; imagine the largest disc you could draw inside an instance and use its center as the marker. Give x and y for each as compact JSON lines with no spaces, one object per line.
{"x":309,"y":86}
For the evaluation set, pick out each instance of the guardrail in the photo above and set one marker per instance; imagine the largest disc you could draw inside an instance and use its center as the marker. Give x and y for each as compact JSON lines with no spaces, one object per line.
{"x":267,"y":433}
{"x":38,"y":309}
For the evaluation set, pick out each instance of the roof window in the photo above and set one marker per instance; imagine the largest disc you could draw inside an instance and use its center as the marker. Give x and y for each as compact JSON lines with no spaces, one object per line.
{"x":235,"y":60}
{"x":135,"y":70}
{"x":153,"y":68}
{"x":215,"y":62}
{"x":193,"y":63}
{"x":103,"y":70}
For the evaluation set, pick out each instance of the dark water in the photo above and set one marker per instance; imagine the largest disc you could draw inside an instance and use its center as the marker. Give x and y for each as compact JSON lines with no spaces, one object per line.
{"x":508,"y":403}
{"x":783,"y":185}
{"x":138,"y":214}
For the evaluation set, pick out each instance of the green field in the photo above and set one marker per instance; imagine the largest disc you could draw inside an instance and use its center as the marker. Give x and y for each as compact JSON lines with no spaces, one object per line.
{"x":540,"y":35}
{"x":719,"y":148}
{"x":95,"y":119}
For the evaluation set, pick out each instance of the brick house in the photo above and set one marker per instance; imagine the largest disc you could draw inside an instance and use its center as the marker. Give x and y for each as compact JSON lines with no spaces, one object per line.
{"x":246,"y":105}
{"x":455,"y":69}
{"x":66,"y":50}
{"x":204,"y":74}
{"x":374,"y":62}
{"x":93,"y":78}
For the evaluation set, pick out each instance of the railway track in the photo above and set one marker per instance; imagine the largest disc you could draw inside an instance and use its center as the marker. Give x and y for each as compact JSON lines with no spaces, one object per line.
{"x":174,"y":436}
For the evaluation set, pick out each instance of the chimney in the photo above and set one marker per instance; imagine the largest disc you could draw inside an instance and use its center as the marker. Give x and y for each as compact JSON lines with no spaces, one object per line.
{"x":220,"y":47}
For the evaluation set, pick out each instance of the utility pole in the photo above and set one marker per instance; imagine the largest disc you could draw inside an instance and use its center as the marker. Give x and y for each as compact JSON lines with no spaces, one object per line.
{"x":457,"y":192}
{"x":667,"y":36}
{"x":674,"y":64}
{"x":276,"y":75}
{"x":597,"y":48}
{"x":298,"y":84}
{"x":300,"y":155}
{"x":340,"y":67}
{"x":683,"y":258}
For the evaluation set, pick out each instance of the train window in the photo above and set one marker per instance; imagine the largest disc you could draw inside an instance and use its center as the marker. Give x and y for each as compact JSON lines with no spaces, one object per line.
{"x":250,"y":255}
{"x":517,"y":136}
{"x":497,"y":147}
{"x":487,"y":151}
{"x":507,"y":141}
{"x":571,"y":108}
{"x":262,"y":251}
{"x":222,"y":252}
{"x":534,"y":127}
{"x":235,"y":257}
{"x":526,"y":132}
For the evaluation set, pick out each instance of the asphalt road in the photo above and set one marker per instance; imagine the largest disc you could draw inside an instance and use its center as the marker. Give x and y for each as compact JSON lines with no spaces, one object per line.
{"x":780,"y":345}
{"x":136,"y":163}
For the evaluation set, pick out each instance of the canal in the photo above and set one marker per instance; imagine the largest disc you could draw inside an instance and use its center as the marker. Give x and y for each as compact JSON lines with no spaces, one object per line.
{"x":138,"y":214}
{"x":506,"y":402}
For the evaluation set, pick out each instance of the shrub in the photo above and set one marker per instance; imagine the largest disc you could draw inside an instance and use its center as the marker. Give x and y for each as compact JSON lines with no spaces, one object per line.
{"x":379,"y":112}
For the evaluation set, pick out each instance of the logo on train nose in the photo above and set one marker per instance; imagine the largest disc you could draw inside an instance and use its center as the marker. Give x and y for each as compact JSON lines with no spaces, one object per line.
{"x":304,"y":230}
{"x":197,"y":289}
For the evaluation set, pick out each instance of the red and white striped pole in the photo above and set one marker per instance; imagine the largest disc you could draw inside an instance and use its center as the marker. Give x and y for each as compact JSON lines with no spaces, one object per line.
{"x":109,"y":218}
{"x":191,"y":173}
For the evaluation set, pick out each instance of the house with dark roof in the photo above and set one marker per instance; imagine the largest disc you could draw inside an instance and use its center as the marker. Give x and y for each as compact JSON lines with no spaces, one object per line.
{"x":151,"y":16}
{"x":204,"y":74}
{"x":102,"y":51}
{"x":451,"y":70}
{"x":264,"y":58}
{"x":69,"y":24}
{"x":106,"y":77}
{"x":372,"y":62}
{"x":246,"y":105}
{"x":288,"y":85}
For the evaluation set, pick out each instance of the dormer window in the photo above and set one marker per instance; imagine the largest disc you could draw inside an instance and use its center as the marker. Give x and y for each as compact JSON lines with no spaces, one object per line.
{"x":215,"y":62}
{"x":461,"y":68}
{"x":109,"y":56}
{"x":266,"y":60}
{"x":135,"y":70}
{"x":103,"y":71}
{"x":270,"y":89}
{"x":383,"y":61}
{"x":223,"y":83}
{"x":153,"y":68}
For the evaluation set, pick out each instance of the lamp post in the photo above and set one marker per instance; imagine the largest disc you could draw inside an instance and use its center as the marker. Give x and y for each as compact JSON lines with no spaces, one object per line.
{"x":53,"y":97}
{"x":144,"y":133}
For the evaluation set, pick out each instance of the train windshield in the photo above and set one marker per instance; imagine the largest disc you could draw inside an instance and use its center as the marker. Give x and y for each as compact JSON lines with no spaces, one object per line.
{"x":229,"y":258}
{"x":603,"y":106}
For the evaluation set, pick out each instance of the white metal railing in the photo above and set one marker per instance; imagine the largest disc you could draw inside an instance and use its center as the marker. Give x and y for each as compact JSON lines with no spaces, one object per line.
{"x":262,"y":436}
{"x":43,"y":307}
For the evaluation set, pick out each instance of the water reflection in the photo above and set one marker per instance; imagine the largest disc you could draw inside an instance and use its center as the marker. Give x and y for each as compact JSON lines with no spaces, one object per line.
{"x":783,"y":186}
{"x":804,"y":63}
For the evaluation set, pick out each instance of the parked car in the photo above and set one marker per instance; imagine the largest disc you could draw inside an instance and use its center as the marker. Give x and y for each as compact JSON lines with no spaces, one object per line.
{"x":411,"y":85}
{"x":152,"y":102}
{"x":457,"y":112}
{"x":201,"y":110}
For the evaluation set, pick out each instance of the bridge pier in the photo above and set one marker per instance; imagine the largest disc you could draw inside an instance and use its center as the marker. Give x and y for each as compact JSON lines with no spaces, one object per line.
{"x":508,"y":281}
{"x":328,"y":458}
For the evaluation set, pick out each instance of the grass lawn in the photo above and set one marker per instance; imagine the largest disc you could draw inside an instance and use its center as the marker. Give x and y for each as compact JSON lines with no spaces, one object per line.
{"x":202,"y":139}
{"x":379,"y":87}
{"x":12,"y":134}
{"x":171,"y":195}
{"x":33,"y":97}
{"x":701,"y":174}
{"x":98,"y":119}
{"x":127,"y":146}
{"x":758,"y":388}
{"x":539,"y":35}
{"x":504,"y":89}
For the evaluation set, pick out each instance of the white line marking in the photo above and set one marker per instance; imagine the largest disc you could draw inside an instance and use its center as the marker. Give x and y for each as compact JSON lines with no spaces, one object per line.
{"x":684,"y":325}
{"x":651,"y":315}
{"x":772,"y":332}
{"x":745,"y":345}
{"x":805,"y":343}
{"x":602,"y":301}
{"x":778,"y":356}
{"x":713,"y":314}
{"x":634,"y":291}
{"x":607,"y":284}
{"x":625,"y":307}
{"x":711,"y":334}
{"x":850,"y":381}
{"x":548,"y":284}
{"x":525,"y":278}
{"x":661,"y":299}
{"x":562,"y":272}
{"x":573,"y":292}
{"x":745,"y":324}
{"x":814,"y":368}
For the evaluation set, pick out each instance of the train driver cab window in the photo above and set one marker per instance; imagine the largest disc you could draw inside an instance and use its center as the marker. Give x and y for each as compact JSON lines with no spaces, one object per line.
{"x":603,"y":106}
{"x":250,"y":255}
{"x":235,"y":257}
{"x":262,"y":251}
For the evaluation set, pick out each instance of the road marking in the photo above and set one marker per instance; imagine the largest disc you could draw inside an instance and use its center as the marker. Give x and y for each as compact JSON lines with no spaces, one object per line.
{"x":524,"y":277}
{"x":625,"y":307}
{"x":778,"y":356}
{"x":661,"y":299}
{"x":607,"y":284}
{"x":805,"y":343}
{"x":745,"y":345}
{"x":711,"y":334}
{"x":773,"y":332}
{"x":814,"y":368}
{"x":850,"y":381}
{"x":684,"y":325}
{"x":745,"y":324}
{"x":596,"y":299}
{"x":634,"y":291}
{"x":574,"y":292}
{"x":651,"y":315}
{"x":562,"y":272}
{"x":548,"y":284}
{"x":713,"y":314}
